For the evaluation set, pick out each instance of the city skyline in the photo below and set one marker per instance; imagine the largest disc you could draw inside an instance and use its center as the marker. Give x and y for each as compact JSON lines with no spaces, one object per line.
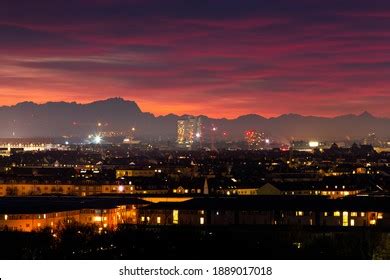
{"x":225,"y":58}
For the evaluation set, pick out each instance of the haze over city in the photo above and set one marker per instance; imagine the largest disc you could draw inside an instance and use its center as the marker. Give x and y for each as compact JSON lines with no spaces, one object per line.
{"x":220,"y":58}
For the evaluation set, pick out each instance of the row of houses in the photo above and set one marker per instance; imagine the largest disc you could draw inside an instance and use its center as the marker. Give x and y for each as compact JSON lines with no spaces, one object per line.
{"x":267,"y":211}
{"x":33,"y":214}
{"x":151,"y":186}
{"x":247,"y":211}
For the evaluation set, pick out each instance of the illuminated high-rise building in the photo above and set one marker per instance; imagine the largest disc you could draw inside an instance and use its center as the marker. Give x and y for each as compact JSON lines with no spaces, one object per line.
{"x":255,"y":140}
{"x":372,"y":140}
{"x":189,"y":131}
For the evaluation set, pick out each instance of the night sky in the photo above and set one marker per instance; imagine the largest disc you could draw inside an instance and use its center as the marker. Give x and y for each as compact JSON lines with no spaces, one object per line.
{"x":220,"y":58}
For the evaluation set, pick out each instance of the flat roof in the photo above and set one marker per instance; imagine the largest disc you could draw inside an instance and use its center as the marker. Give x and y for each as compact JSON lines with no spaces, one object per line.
{"x":286,"y":203}
{"x":50,"y":204}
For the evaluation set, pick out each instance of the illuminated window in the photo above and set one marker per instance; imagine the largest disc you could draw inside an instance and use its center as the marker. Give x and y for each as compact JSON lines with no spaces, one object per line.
{"x":345,"y":219}
{"x":175,"y":216}
{"x":148,"y":219}
{"x":158,"y":220}
{"x":352,"y":222}
{"x":5,"y":217}
{"x":298,"y":213}
{"x":202,"y":212}
{"x":336,"y":214}
{"x":98,"y":219}
{"x":201,"y":221}
{"x":362,"y":214}
{"x":353,"y":214}
{"x":380,"y":216}
{"x":372,"y":222}
{"x":326,"y":214}
{"x":142,"y":219}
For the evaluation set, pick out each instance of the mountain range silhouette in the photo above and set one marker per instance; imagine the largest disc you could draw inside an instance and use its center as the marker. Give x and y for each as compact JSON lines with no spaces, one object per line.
{"x":55,"y":119}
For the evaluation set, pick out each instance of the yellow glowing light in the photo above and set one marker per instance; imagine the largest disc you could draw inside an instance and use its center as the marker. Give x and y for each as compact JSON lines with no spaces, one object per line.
{"x":175,"y":216}
{"x":298,"y":213}
{"x":97,"y":219}
{"x":314,"y":144}
{"x":345,"y":219}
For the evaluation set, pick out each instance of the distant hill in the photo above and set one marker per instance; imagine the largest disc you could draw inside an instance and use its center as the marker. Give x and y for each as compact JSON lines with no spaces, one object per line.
{"x":54,"y":119}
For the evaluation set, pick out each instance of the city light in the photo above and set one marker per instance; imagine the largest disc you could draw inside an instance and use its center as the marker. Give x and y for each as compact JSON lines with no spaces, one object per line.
{"x":97,"y":139}
{"x":314,"y":144}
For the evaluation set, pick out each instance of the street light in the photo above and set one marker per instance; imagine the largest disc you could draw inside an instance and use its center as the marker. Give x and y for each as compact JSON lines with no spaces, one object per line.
{"x":97,"y":139}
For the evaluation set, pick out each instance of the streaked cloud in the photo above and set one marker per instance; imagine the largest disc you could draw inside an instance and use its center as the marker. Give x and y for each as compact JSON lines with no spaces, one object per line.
{"x":221,"y":58}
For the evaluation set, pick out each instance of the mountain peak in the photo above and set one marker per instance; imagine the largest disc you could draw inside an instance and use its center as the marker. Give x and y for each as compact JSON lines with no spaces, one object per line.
{"x":117,"y":103}
{"x":250,"y":117}
{"x":366,"y":114}
{"x":25,"y":104}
